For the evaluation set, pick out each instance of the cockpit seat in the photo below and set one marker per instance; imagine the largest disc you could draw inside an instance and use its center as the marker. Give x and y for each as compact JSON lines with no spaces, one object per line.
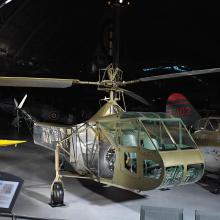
{"x":129,"y":140}
{"x":150,"y":144}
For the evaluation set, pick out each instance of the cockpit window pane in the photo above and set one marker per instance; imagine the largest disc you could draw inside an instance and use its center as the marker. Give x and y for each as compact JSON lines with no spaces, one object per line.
{"x":202,"y":124}
{"x":130,"y":115}
{"x":153,"y":115}
{"x":169,"y":134}
{"x":180,"y":135}
{"x":128,"y":133}
{"x":110,"y":130}
{"x":147,"y":142}
{"x":151,"y":169}
{"x":194,"y":172}
{"x":151,"y":133}
{"x":159,"y":134}
{"x":209,"y":126}
{"x":130,"y":161}
{"x":122,"y":132}
{"x":214,"y":124}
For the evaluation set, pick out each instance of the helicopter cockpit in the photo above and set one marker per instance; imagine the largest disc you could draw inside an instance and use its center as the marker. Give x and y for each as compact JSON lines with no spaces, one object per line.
{"x":207,"y":132}
{"x":154,"y":147}
{"x":208,"y":124}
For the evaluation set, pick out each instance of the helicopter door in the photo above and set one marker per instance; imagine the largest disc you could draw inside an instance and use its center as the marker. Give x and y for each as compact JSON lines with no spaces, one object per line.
{"x":138,"y":165}
{"x":129,"y":139}
{"x":128,"y":156}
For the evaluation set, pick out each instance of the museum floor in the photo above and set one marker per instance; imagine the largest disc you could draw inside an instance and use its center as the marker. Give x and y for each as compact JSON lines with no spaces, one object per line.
{"x":86,"y":199}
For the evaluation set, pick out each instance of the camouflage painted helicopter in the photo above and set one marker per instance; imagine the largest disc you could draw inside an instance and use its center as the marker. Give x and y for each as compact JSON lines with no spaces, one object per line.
{"x":132,"y":150}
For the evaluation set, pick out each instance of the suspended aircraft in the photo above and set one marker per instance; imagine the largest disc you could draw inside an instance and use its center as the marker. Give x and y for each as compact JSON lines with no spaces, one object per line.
{"x":205,"y":130}
{"x":132,"y":150}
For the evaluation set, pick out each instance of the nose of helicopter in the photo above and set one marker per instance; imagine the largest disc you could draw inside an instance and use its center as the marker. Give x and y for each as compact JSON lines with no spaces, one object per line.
{"x":182,"y":167}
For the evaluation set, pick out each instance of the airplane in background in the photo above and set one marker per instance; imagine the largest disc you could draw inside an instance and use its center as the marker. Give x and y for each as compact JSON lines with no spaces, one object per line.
{"x":205,"y":130}
{"x":41,"y":112}
{"x":5,"y":143}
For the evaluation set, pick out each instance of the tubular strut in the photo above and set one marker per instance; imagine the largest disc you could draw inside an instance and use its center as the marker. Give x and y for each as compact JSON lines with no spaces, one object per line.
{"x":57,"y":189}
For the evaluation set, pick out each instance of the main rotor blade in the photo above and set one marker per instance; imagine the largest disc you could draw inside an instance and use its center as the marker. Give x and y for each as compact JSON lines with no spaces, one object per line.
{"x":41,"y":82}
{"x":64,"y":83}
{"x":135,"y":96}
{"x":35,"y":82}
{"x":172,"y":75}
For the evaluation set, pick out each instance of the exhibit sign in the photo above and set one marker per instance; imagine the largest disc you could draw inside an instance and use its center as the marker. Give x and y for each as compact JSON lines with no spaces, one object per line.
{"x":7,"y":191}
{"x":10,"y":186}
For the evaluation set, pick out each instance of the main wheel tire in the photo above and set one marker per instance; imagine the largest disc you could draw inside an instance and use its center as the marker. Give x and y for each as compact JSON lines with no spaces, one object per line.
{"x":57,"y":194}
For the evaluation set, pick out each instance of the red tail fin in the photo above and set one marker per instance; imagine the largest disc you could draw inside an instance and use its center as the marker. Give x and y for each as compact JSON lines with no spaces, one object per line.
{"x":178,"y":106}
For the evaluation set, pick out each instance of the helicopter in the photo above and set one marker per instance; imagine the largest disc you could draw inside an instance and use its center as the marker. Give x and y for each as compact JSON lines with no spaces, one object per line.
{"x":132,"y":150}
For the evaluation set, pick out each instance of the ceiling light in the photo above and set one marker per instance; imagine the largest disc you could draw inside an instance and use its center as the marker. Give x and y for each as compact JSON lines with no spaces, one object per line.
{"x":4,"y":3}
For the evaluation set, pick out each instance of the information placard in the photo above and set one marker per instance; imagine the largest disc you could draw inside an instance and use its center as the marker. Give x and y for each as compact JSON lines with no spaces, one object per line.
{"x":10,"y":186}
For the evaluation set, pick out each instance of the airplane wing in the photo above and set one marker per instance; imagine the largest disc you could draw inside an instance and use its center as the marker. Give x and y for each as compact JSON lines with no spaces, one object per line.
{"x":5,"y":143}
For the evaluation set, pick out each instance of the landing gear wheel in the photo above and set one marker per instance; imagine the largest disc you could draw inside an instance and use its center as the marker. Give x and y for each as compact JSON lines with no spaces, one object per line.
{"x":57,"y":194}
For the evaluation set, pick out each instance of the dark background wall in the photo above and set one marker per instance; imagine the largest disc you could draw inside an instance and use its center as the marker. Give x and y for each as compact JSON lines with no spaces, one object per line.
{"x":70,"y":39}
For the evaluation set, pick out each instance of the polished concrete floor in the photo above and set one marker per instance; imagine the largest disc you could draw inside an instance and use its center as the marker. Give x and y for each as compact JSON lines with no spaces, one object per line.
{"x":86,"y":199}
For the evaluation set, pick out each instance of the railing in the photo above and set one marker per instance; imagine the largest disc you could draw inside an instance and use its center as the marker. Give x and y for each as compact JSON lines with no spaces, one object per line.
{"x":7,"y":216}
{"x":164,"y":213}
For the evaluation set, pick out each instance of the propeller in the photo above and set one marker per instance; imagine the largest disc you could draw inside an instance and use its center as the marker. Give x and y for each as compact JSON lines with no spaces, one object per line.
{"x":22,"y":102}
{"x":19,"y":106}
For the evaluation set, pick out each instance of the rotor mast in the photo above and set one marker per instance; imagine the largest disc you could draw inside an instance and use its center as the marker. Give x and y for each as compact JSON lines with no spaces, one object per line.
{"x":111,"y":96}
{"x":109,"y":81}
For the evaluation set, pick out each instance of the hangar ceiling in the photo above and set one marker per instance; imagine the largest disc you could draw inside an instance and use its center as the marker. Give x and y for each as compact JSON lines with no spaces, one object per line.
{"x":65,"y":39}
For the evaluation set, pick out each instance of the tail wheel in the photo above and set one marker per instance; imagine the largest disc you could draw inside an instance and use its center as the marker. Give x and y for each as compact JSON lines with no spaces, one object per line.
{"x":57,"y":194}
